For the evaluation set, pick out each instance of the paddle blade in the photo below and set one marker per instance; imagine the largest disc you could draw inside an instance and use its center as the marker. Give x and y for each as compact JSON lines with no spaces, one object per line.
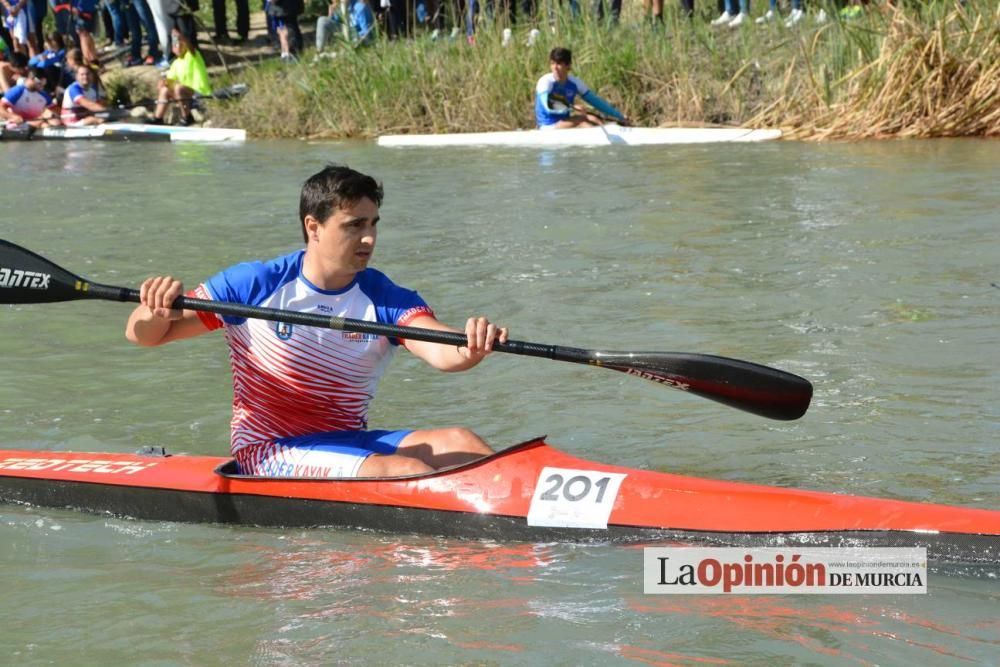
{"x":29,"y":278}
{"x":760,"y":390}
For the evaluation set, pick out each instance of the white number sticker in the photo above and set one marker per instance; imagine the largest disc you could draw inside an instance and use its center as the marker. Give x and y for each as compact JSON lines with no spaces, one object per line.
{"x":570,"y":498}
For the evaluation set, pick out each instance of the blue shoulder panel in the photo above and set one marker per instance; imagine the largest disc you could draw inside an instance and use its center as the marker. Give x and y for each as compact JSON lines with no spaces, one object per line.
{"x":250,"y":283}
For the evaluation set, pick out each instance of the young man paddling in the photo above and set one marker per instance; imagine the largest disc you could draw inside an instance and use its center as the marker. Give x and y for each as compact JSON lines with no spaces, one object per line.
{"x":555,"y":96}
{"x":301,"y":394}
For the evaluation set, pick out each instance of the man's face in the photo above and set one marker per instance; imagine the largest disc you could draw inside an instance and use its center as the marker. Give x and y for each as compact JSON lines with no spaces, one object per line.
{"x":83,"y":75}
{"x":346,"y":240}
{"x":32,"y":82}
{"x":560,"y":70}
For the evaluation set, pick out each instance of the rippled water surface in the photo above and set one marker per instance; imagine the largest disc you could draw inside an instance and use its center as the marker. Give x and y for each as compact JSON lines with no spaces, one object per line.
{"x":865,"y":267}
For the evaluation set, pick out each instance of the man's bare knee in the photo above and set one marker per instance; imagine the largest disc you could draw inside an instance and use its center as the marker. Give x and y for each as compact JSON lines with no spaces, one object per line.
{"x":463,"y":440}
{"x":392,"y":465}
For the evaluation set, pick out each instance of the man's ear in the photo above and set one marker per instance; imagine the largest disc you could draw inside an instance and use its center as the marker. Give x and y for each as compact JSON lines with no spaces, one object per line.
{"x":311,"y":225}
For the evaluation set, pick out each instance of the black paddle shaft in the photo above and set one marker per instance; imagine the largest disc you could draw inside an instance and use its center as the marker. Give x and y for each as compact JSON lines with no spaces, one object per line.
{"x":26,"y":277}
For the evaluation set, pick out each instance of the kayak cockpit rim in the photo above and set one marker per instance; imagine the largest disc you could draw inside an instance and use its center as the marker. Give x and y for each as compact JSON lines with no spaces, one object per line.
{"x":228,"y":468}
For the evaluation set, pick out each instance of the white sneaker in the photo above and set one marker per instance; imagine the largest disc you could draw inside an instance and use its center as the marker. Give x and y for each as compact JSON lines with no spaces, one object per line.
{"x":454,"y":33}
{"x":533,"y":36}
{"x":435,"y":35}
{"x":821,"y":16}
{"x":507,"y":36}
{"x":723,"y":19}
{"x":793,"y":18}
{"x":739,"y":20}
{"x":766,"y":18}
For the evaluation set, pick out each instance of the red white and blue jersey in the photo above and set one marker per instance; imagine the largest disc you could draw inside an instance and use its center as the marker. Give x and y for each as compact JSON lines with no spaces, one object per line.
{"x":28,"y":104}
{"x":549,"y":85}
{"x":71,"y":101}
{"x":293,"y":380}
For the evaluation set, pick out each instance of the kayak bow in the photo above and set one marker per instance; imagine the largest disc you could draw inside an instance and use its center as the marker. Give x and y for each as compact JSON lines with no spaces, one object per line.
{"x":530,"y":491}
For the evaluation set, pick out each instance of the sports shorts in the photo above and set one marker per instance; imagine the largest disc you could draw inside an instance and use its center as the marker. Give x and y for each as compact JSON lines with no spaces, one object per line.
{"x":330,"y":454}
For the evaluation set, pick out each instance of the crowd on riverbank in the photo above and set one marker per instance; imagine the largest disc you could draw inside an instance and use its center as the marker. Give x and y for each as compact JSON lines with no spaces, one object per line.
{"x":59,"y":86}
{"x":863,"y":77}
{"x":137,"y":32}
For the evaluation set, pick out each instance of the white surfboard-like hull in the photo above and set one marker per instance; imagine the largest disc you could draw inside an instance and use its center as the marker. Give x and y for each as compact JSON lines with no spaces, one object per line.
{"x":143,"y":132}
{"x":608,"y":135}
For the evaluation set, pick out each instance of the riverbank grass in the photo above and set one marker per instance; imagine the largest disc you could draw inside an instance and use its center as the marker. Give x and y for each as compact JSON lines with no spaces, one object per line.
{"x":890,"y":72}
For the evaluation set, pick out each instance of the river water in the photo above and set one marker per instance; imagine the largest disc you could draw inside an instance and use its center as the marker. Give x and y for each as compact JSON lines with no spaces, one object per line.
{"x":865,"y":267}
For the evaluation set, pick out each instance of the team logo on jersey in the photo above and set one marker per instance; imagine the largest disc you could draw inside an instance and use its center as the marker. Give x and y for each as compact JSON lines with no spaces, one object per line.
{"x":283,"y":330}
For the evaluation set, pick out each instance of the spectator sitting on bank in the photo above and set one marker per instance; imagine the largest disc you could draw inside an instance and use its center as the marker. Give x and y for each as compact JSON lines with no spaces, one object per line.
{"x":54,"y":53}
{"x":361,"y":22}
{"x":11,"y":72}
{"x":52,"y":60}
{"x":28,"y":102}
{"x":186,"y":77}
{"x":82,"y":99}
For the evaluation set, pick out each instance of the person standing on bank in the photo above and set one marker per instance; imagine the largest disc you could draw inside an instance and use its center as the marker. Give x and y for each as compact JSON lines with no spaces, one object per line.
{"x":301,"y":394}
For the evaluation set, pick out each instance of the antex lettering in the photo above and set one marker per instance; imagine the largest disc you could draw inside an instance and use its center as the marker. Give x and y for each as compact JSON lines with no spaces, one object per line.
{"x":656,"y":377}
{"x":21,"y":278}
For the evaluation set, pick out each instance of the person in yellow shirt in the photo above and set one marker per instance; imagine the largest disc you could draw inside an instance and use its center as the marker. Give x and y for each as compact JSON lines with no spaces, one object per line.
{"x":186,"y":78}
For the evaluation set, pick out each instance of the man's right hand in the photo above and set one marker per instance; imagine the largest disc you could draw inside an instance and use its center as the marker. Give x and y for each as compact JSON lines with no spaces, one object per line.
{"x":159,"y":293}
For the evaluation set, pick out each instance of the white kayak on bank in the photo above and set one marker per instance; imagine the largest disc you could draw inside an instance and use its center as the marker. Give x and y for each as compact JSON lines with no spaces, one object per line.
{"x":142,"y":132}
{"x":606,"y":135}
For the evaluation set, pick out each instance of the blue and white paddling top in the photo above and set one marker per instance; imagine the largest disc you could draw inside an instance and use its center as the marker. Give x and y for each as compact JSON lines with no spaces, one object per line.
{"x":548,"y":85}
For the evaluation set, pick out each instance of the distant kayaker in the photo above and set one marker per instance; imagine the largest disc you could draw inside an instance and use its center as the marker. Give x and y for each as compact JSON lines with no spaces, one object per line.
{"x":555,"y":97}
{"x":301,"y":394}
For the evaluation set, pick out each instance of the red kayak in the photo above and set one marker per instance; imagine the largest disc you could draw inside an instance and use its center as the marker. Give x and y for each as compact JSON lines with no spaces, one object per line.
{"x":530,"y":491}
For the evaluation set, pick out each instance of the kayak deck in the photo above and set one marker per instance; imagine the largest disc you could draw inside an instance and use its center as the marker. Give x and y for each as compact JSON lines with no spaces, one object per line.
{"x":529,"y":491}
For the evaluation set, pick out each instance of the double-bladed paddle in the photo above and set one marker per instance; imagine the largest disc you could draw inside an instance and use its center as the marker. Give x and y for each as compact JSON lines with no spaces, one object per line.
{"x":26,"y":277}
{"x":593,"y":112}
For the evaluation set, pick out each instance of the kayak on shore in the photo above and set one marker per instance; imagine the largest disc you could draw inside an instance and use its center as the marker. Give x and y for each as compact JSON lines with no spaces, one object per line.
{"x":127,"y":132}
{"x":607,"y":135}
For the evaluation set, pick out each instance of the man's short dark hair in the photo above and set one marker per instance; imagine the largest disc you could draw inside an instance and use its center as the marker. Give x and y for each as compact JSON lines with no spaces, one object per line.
{"x":561,"y":55}
{"x":333,"y":188}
